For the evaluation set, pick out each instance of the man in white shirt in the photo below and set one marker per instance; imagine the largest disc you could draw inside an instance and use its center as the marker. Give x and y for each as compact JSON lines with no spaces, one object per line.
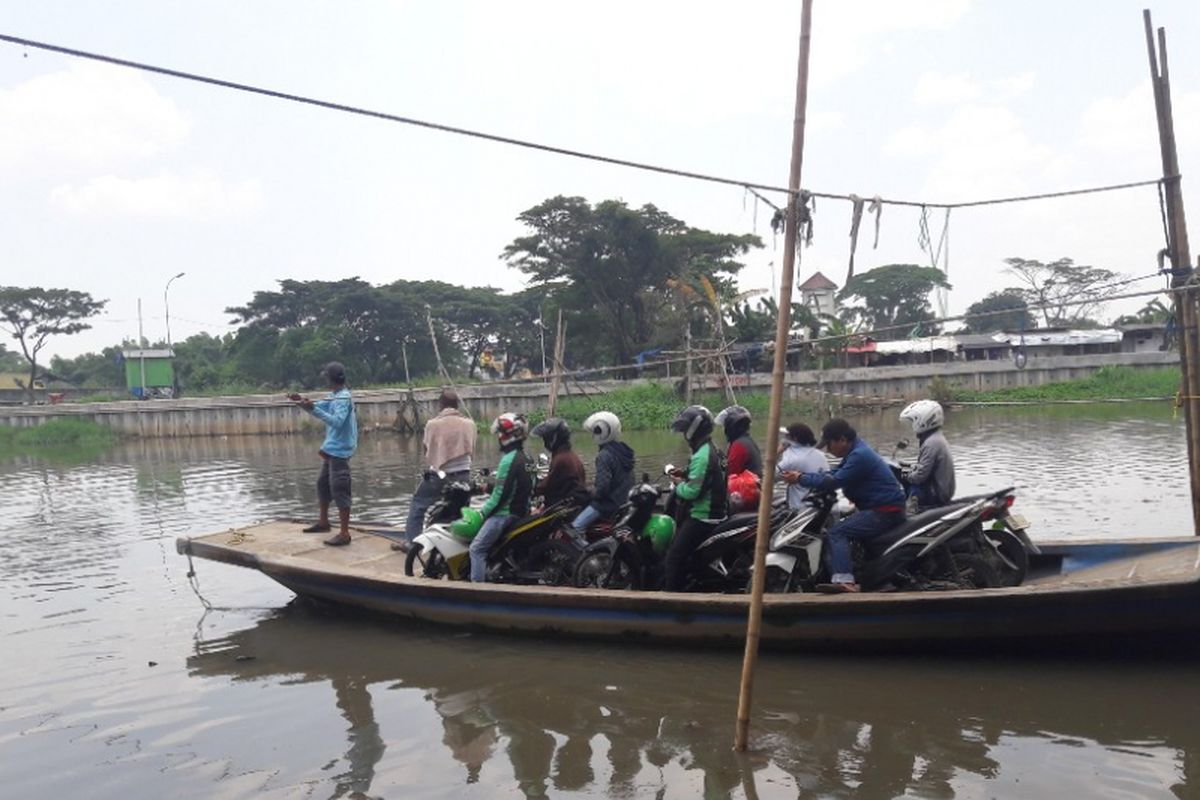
{"x":799,"y":455}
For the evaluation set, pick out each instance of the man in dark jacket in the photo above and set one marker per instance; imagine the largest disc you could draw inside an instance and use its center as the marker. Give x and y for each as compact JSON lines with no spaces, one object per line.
{"x":566,"y":480}
{"x":614,"y":471}
{"x":868,"y":482}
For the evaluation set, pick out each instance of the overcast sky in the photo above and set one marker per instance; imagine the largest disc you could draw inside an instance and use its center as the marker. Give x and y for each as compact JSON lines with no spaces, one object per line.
{"x":115,"y":180}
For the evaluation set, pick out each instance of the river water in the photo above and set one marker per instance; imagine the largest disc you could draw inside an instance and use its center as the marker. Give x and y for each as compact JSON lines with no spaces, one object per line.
{"x":114,"y":682}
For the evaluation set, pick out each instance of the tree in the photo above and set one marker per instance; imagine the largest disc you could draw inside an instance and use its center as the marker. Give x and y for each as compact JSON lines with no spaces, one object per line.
{"x":611,"y":264}
{"x":894,"y":295}
{"x":1156,"y":312}
{"x":758,"y":324}
{"x":33,"y":315}
{"x":10,"y":360}
{"x":1005,"y":310}
{"x":1065,"y":294}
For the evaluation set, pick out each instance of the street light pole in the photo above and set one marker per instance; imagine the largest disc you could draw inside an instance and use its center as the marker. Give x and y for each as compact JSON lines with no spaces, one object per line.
{"x":167,"y":308}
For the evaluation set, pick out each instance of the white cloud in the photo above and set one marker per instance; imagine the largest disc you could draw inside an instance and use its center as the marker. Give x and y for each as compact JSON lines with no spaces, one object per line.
{"x":847,"y":34}
{"x":980,"y":150}
{"x":936,"y":88}
{"x":1014,"y":86}
{"x":87,"y":114}
{"x":199,"y":195}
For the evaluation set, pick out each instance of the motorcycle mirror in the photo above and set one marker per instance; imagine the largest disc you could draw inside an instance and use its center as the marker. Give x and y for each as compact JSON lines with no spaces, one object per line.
{"x":645,"y":477}
{"x":543,"y":459}
{"x":902,"y":444}
{"x":484,"y":472}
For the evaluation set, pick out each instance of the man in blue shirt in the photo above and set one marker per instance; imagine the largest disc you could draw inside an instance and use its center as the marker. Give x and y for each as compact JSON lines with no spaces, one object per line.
{"x":868,"y":482}
{"x":341,"y":439}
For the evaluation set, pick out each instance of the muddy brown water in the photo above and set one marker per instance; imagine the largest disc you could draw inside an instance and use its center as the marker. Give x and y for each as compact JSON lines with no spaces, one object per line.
{"x":115,"y":683}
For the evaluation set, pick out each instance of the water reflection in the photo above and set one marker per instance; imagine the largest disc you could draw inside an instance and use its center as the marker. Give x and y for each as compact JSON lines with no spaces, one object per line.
{"x":603,"y":722}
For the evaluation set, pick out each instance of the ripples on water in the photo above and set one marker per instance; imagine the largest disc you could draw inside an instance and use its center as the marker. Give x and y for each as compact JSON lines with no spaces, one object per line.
{"x":278,"y":699}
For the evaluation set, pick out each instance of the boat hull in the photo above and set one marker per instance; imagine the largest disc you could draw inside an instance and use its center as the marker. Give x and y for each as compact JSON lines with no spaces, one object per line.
{"x":1097,"y":595}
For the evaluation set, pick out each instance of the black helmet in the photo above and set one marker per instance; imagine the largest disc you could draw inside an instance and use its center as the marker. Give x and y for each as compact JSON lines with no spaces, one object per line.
{"x":695,"y":423}
{"x":736,"y":421}
{"x":555,"y":433}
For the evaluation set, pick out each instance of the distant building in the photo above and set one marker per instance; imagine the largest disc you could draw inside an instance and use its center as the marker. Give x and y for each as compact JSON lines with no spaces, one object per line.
{"x":1144,"y":337}
{"x":158,"y":379}
{"x":819,"y":294}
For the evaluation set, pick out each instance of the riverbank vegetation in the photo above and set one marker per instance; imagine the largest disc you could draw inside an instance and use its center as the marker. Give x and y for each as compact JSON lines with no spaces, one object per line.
{"x":652,"y":406}
{"x":1109,"y":383}
{"x":56,"y":438}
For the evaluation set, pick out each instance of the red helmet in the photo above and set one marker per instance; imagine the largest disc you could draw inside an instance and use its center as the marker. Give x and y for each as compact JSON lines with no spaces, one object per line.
{"x":510,"y":428}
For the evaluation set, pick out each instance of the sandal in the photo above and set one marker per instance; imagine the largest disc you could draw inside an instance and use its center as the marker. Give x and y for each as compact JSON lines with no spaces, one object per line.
{"x":340,"y":540}
{"x":317,"y":528}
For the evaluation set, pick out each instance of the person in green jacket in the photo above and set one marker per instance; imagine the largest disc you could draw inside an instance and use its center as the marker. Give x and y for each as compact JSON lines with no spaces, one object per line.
{"x":702,"y":492}
{"x":510,"y":497}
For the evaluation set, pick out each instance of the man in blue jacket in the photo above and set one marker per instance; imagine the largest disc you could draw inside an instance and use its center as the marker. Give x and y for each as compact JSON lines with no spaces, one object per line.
{"x":868,"y":482}
{"x":341,"y":440}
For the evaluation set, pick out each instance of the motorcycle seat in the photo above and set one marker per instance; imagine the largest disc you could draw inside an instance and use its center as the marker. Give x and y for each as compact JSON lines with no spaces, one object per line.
{"x":890,"y":537}
{"x":736,"y":521}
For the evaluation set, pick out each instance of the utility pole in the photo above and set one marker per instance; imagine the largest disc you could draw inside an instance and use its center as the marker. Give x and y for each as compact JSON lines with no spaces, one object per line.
{"x":167,"y":307}
{"x":687,"y":349}
{"x":782,"y":326}
{"x":1179,"y":254}
{"x":141,"y":349}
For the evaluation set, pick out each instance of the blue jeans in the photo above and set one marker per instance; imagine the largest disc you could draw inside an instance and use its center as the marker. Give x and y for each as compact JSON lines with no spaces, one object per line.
{"x":493,"y":528}
{"x":863,"y":526}
{"x":585,"y":518}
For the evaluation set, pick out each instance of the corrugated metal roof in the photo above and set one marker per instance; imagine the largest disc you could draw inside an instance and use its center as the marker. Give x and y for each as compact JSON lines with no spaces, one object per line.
{"x":922,"y":345}
{"x":1067,"y":337}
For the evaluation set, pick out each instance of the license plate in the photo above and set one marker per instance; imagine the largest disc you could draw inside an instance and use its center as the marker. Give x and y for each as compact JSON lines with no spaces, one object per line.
{"x":1017,"y":522}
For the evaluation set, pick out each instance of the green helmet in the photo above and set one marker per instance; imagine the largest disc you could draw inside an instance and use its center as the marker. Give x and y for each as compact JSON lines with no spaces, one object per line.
{"x":660,"y":529}
{"x":468,"y":525}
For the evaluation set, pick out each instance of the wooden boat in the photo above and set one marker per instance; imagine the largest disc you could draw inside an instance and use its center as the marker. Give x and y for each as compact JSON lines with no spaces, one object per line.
{"x":1105,"y":594}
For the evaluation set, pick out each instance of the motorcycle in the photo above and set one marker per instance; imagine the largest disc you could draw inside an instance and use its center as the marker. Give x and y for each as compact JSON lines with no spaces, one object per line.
{"x":633,"y":557}
{"x":515,"y":557}
{"x":941,"y":548}
{"x":1008,"y":546}
{"x":457,"y":495}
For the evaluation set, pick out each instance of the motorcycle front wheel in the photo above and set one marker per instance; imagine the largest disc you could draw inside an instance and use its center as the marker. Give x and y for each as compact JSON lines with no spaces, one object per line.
{"x":779,"y":580}
{"x":600,"y":570}
{"x":431,"y":566}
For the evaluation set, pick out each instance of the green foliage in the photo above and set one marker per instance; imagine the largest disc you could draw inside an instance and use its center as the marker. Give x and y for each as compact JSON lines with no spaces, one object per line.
{"x":1109,"y":383}
{"x":1155,"y":312}
{"x":1007,"y":310}
{"x":57,"y":439}
{"x":1064,"y":293}
{"x":33,"y":315}
{"x":652,"y":406}
{"x":10,"y":361}
{"x":894,"y":294}
{"x":617,"y":270}
{"x":758,"y":324}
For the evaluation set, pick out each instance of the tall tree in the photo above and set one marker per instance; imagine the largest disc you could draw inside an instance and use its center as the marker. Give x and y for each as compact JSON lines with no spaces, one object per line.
{"x":612,"y":263}
{"x":1064,"y":293}
{"x":34,"y":314}
{"x":1005,"y":310}
{"x":894,"y":295}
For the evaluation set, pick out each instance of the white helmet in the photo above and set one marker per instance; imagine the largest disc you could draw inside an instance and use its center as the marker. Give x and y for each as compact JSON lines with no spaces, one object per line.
{"x":925,"y":416}
{"x":604,"y":425}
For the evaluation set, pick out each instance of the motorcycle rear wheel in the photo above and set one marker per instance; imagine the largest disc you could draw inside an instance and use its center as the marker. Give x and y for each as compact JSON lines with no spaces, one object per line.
{"x":1012,"y":559}
{"x":433,"y":566}
{"x":601,"y":571}
{"x":555,"y":561}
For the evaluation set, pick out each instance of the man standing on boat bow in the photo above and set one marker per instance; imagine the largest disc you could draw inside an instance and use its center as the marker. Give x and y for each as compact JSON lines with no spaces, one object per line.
{"x":341,"y":440}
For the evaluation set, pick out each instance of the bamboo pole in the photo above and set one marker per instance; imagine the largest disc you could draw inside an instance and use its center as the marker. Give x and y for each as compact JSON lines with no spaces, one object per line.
{"x":559,"y":352}
{"x":782,"y":326}
{"x":1180,"y":256}
{"x":687,"y":379}
{"x":437,"y":353}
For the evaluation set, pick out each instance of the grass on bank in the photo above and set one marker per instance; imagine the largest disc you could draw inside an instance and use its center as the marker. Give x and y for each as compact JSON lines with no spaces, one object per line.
{"x":57,"y":437}
{"x":1109,"y":383}
{"x":652,"y":406}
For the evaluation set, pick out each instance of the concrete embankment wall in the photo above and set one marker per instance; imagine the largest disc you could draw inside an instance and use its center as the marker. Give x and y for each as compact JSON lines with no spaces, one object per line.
{"x":273,"y":414}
